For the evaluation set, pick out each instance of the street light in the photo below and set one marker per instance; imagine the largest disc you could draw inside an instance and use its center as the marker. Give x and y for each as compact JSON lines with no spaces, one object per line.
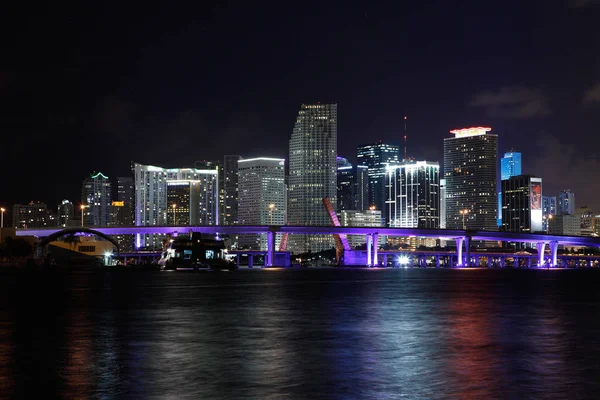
{"x":82,"y":208}
{"x":2,"y":218}
{"x":174,"y":206}
{"x":271,"y":208}
{"x":464,"y":212}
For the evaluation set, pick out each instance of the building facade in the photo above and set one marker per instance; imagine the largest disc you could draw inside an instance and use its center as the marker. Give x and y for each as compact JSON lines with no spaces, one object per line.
{"x":352,"y":187}
{"x":470,"y":171}
{"x":96,"y":197}
{"x":262,"y":197}
{"x":548,"y":210}
{"x":510,"y":165}
{"x":361,"y":218}
{"x":564,"y":224}
{"x":152,"y":199}
{"x":376,"y":157}
{"x":35,"y":214}
{"x":126,"y":195}
{"x":522,"y":209}
{"x":229,"y":188}
{"x":66,"y":214}
{"x":566,"y":203}
{"x":442,"y":204}
{"x":413,"y":193}
{"x":312,"y":174}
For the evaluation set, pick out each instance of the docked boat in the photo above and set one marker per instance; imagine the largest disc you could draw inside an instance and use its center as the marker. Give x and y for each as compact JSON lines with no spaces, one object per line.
{"x":196,"y":252}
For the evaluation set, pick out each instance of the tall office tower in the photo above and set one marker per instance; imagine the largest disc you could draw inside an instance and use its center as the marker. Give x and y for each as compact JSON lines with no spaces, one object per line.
{"x":522,"y":206}
{"x":262,"y":197}
{"x":470,"y":170}
{"x":376,"y":156}
{"x":510,"y":165}
{"x":32,"y":215}
{"x":96,"y":197}
{"x":548,"y":210}
{"x":361,"y":218}
{"x":442,"y":204}
{"x":313,"y":173}
{"x":126,"y":194}
{"x":413,"y":190}
{"x":352,"y":187}
{"x":183,"y":198}
{"x":152,"y":205}
{"x":586,"y":217}
{"x":66,"y":214}
{"x":229,"y":188}
{"x":566,"y":203}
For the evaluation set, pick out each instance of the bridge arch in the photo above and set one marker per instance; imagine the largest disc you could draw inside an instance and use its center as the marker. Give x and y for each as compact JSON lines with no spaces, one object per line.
{"x":44,"y":242}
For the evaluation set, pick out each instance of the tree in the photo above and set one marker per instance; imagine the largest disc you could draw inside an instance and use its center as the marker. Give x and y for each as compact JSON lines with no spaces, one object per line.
{"x":15,"y":248}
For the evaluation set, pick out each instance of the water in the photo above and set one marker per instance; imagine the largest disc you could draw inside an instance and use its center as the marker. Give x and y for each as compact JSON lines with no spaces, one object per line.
{"x":301,"y":334}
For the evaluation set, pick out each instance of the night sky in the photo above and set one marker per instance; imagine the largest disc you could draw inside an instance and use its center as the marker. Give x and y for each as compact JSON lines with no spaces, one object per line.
{"x":93,"y":87}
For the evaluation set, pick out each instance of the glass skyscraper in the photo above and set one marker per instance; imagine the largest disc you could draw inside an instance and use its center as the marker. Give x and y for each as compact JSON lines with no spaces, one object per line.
{"x":312,"y":174}
{"x":566,"y":203}
{"x":470,"y":170}
{"x":376,"y":157}
{"x":96,"y":197}
{"x":510,"y":165}
{"x":352,"y":187}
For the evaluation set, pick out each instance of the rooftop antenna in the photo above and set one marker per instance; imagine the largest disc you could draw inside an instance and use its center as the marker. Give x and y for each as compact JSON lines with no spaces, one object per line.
{"x":405,"y":118}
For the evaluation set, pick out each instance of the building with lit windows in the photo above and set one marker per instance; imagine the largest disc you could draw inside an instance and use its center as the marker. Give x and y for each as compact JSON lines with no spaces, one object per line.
{"x":152,"y":200}
{"x":470,"y":171}
{"x":413,"y":192}
{"x":261,"y":197}
{"x":183,"y":202}
{"x":352,"y":187}
{"x":564,"y":224}
{"x":96,"y":197}
{"x":312,"y":174}
{"x":66,"y":214}
{"x":361,"y":218}
{"x":229,"y":188}
{"x":510,"y":165}
{"x":442,"y":204}
{"x":548,"y":210}
{"x":125,"y":194}
{"x":566,"y":203}
{"x":32,"y":215}
{"x":376,"y":157}
{"x":522,"y":208}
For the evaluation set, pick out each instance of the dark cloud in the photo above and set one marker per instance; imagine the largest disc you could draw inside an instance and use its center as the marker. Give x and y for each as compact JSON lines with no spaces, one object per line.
{"x":562,"y":166}
{"x":513,"y":102}
{"x":582,"y":3}
{"x":592,"y":95}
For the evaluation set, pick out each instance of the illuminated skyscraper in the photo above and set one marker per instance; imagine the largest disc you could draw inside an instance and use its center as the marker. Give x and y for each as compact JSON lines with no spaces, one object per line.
{"x":376,"y":156}
{"x":229,"y":189}
{"x":510,"y":165}
{"x":262,"y":197}
{"x":352,"y":187}
{"x":96,"y":197}
{"x":313,"y":170}
{"x":522,"y":205}
{"x":442,"y":204}
{"x":413,"y":190}
{"x":566,"y":203}
{"x":548,"y":210}
{"x":470,"y":170}
{"x":66,"y":213}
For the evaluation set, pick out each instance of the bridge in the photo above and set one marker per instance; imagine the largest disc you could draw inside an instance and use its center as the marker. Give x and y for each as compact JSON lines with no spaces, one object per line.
{"x":463,"y":238}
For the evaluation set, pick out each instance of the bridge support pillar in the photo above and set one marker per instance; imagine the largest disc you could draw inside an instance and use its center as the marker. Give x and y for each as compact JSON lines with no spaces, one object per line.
{"x":250,"y":260}
{"x":517,"y":265}
{"x":541,"y":248}
{"x":384,"y":260}
{"x":375,"y":248}
{"x":459,"y":251}
{"x":553,"y":252}
{"x":528,"y":262}
{"x":270,"y":262}
{"x":489,"y":261}
{"x":369,"y":239}
{"x":237,"y":259}
{"x":502,"y":260}
{"x":437,"y":261}
{"x":467,"y":251}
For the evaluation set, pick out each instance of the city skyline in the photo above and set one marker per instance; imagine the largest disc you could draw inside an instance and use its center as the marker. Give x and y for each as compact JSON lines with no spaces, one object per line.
{"x":97,"y":105}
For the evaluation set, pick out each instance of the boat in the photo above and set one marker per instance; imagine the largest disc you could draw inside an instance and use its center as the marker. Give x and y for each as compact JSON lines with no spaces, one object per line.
{"x":196,"y":252}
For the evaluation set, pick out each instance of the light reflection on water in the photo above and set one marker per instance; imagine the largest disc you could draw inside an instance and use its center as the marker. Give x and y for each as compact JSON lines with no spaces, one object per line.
{"x":301,"y":334}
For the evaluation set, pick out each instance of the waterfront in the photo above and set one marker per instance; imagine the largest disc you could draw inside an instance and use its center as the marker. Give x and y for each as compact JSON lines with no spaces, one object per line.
{"x":300,"y":333}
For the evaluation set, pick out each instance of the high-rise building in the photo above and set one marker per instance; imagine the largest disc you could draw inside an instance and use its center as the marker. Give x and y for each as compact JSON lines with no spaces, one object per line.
{"x":442,"y":204}
{"x":361,"y":218}
{"x":96,"y":193}
{"x":376,"y":157}
{"x":470,"y":170}
{"x":152,"y":201}
{"x":564,"y":224}
{"x":262,"y":197}
{"x":566,"y":203}
{"x":183,"y":197}
{"x":413,"y":192}
{"x":548,"y":210}
{"x":312,"y":174}
{"x":126,"y":195}
{"x":352,"y":187}
{"x":522,"y":206}
{"x":586,"y":217}
{"x":343,"y":162}
{"x":229,"y":188}
{"x":32,"y":215}
{"x":510,"y":165}
{"x":66,"y":214}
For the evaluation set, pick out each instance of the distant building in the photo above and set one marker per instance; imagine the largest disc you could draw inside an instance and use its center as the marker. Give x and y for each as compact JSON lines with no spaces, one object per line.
{"x":96,"y":197}
{"x":32,"y":215}
{"x":564,"y":224}
{"x":510,"y":165}
{"x":548,"y":210}
{"x":262,"y":197}
{"x":470,"y":170}
{"x":522,"y":204}
{"x":566,"y":203}
{"x":126,"y":195}
{"x":586,"y":218}
{"x":442,"y":204}
{"x":66,"y":214}
{"x":361,"y":218}
{"x":413,"y":195}
{"x":376,"y":156}
{"x":229,"y":189}
{"x":312,"y":174}
{"x":352,"y":187}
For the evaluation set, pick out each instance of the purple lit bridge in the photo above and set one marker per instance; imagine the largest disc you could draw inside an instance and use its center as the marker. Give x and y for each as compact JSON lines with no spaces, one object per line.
{"x":371,"y":257}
